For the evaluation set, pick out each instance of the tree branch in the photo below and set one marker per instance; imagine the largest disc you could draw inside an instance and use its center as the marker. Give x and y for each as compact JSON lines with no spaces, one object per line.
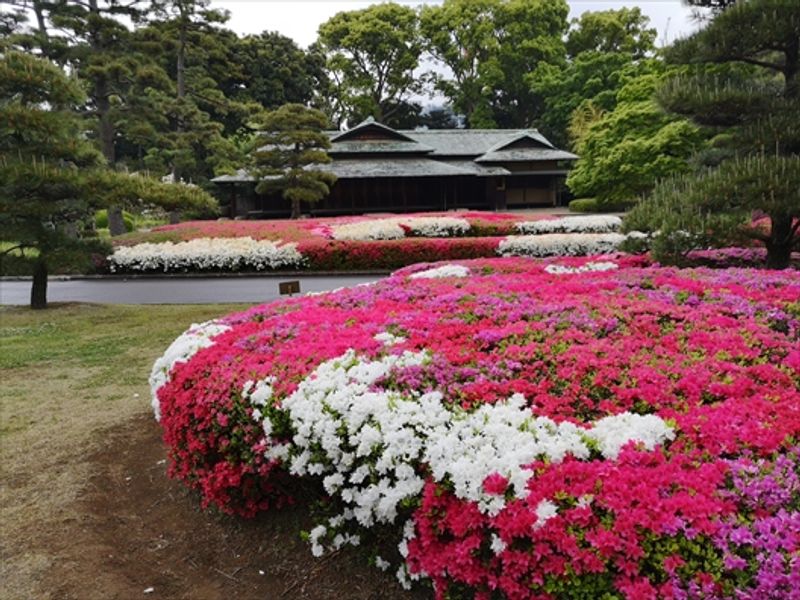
{"x":756,"y":234}
{"x":17,"y":247}
{"x":761,"y":63}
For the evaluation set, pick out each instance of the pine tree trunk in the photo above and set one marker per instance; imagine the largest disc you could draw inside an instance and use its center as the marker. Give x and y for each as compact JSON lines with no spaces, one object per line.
{"x":180,"y":84}
{"x":105,"y":125}
{"x":296,"y":208}
{"x":779,"y":245}
{"x":39,"y":287}
{"x":790,"y":69}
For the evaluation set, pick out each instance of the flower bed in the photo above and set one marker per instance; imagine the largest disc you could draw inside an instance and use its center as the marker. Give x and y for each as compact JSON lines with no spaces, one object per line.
{"x":523,"y":429}
{"x":473,"y":224}
{"x":205,"y":254}
{"x":591,"y":224}
{"x":241,"y":254}
{"x":399,"y":227}
{"x":560,"y":244}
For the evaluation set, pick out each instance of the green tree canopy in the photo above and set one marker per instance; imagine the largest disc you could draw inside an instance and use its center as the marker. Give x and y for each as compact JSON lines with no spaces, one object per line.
{"x":291,"y":150}
{"x":460,"y":35}
{"x":274,"y":71}
{"x":628,"y":149}
{"x":371,"y":56}
{"x":623,"y":31}
{"x":52,"y":179}
{"x":196,"y":54}
{"x":490,"y":47}
{"x":606,"y":49}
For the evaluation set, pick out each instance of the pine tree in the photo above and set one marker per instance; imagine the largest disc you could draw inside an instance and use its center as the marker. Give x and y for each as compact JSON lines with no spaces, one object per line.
{"x":291,"y":150}
{"x":196,"y":54}
{"x":52,"y":179}
{"x":755,"y":109}
{"x":94,"y":42}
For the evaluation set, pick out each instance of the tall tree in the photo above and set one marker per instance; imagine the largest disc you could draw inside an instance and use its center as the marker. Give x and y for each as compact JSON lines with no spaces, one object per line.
{"x":92,"y":40}
{"x":623,"y":31}
{"x":189,"y":137}
{"x":758,"y":115}
{"x":52,"y":180}
{"x":490,"y":47}
{"x":460,"y":34}
{"x":274,"y":71}
{"x":371,"y":57}
{"x":188,"y":35}
{"x":291,"y":153}
{"x":530,"y":33}
{"x":605,"y":50}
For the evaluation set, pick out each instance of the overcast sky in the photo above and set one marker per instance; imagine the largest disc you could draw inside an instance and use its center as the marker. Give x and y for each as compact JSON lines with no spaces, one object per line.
{"x":299,"y":19}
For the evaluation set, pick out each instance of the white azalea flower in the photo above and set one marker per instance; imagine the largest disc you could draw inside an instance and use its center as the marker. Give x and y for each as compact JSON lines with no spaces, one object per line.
{"x":587,"y":224}
{"x":589,"y":267}
{"x":560,"y":244}
{"x":186,"y":345}
{"x":441,"y":272}
{"x":206,"y":253}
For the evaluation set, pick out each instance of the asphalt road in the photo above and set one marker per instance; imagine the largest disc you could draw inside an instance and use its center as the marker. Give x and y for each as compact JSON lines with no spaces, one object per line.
{"x":173,"y":291}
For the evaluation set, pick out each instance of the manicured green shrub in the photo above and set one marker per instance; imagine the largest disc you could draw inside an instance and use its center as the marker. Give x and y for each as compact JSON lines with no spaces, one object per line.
{"x":583,"y":205}
{"x":590,"y":205}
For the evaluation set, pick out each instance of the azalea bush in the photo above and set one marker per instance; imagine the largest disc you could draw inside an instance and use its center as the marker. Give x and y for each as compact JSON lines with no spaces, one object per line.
{"x":203,"y":254}
{"x":362,"y":227}
{"x":360,"y":243}
{"x":399,"y":227}
{"x":239,"y":254}
{"x":593,"y":224}
{"x":517,"y":428}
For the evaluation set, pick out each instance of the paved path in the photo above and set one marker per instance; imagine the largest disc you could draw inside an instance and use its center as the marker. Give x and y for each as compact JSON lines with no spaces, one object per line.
{"x":172,"y":291}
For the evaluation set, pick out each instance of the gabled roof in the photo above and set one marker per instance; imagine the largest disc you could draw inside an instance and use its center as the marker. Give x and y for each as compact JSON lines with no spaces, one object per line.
{"x":525,"y":146}
{"x":460,"y":142}
{"x":370,"y":127}
{"x":525,"y":155}
{"x":529,"y":138}
{"x":371,"y":149}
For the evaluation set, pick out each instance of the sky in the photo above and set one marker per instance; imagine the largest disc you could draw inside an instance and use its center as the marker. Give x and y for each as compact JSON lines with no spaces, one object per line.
{"x":299,"y":19}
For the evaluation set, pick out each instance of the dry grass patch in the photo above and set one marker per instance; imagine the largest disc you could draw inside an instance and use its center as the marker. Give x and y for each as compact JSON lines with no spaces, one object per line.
{"x":69,"y":373}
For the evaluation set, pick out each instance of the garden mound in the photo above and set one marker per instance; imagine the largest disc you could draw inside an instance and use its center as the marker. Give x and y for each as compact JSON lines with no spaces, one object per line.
{"x":534,"y":429}
{"x":359,"y":243}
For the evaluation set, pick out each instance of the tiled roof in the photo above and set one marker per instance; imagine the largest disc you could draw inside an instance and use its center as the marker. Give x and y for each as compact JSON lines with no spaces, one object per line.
{"x":372,"y":149}
{"x":364,"y":168}
{"x":461,"y":142}
{"x":525,"y":155}
{"x":378,"y":146}
{"x":474,"y":168}
{"x":368,"y":168}
{"x":240,"y":176}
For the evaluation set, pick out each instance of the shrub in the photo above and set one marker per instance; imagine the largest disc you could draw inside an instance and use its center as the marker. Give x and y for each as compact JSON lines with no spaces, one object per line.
{"x":583,"y":205}
{"x":521,"y":428}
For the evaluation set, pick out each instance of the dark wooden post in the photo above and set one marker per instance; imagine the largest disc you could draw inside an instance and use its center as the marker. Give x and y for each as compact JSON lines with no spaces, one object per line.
{"x":234,"y":212}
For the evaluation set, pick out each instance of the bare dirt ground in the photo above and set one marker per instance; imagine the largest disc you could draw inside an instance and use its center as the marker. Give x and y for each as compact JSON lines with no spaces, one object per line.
{"x":137,"y":530}
{"x":86,"y":509}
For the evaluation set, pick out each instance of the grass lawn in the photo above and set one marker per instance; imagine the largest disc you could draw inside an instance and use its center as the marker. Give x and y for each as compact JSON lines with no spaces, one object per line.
{"x":69,"y":373}
{"x":86,"y":508}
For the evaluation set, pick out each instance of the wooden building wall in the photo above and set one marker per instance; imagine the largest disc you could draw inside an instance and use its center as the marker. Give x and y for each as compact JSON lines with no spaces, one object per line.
{"x":403,"y":195}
